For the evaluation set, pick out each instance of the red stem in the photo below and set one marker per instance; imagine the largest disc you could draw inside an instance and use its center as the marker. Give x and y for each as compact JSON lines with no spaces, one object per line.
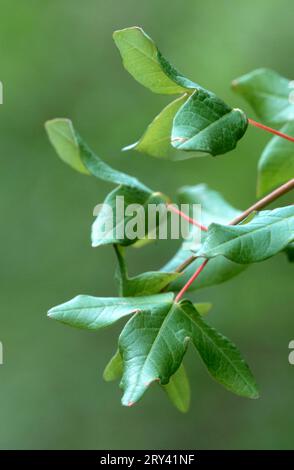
{"x":257,"y":206}
{"x":269,"y":129}
{"x":186,"y":217}
{"x":191,"y":280}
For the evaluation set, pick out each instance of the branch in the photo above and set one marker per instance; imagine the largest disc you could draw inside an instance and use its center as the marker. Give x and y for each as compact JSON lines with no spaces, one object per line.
{"x":285,"y":188}
{"x":258,"y":205}
{"x":185,"y":264}
{"x":172,"y":208}
{"x":191,"y":280}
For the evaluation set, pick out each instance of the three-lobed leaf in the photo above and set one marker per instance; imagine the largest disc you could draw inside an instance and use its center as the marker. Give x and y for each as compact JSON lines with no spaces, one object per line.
{"x":268,"y":233}
{"x":207,"y":125}
{"x":268,"y":93}
{"x":152,"y":345}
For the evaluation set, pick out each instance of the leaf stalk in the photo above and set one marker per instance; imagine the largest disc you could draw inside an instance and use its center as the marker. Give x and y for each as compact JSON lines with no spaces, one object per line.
{"x":271,"y":130}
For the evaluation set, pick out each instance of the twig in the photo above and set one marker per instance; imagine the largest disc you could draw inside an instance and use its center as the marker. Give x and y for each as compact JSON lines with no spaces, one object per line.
{"x":271,"y":130}
{"x":258,"y":205}
{"x":172,"y":208}
{"x":285,"y":188}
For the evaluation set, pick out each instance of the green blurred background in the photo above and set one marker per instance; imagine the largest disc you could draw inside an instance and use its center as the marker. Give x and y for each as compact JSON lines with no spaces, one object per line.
{"x":58,"y":60}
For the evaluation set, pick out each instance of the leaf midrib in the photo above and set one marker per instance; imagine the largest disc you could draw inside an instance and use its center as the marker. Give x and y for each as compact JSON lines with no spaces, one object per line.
{"x":156,"y":339}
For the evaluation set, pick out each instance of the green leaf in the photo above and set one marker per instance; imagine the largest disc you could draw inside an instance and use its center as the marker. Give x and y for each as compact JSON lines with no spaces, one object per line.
{"x":93,"y":313}
{"x":64,"y":139}
{"x":214,"y":208}
{"x":111,"y":226}
{"x":73,"y":150}
{"x":268,"y":93}
{"x":114,"y":368}
{"x":152,"y":345}
{"x":156,"y":141}
{"x":178,"y":390}
{"x":203,"y":308}
{"x":267,"y":234}
{"x":276,"y":165}
{"x":207,"y":125}
{"x":142,"y":59}
{"x":149,"y":283}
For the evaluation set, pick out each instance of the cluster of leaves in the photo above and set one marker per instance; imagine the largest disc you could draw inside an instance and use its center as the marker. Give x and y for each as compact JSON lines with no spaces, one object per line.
{"x":154,"y":340}
{"x":198,"y":123}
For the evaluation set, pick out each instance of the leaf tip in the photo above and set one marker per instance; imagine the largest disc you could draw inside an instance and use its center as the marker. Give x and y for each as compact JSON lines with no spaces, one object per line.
{"x":50,"y":313}
{"x":54,"y":121}
{"x":255,"y":395}
{"x":119,"y":32}
{"x":130,"y":147}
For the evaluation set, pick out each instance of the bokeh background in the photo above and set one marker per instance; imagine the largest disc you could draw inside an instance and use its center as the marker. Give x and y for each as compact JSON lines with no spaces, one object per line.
{"x":58,"y":60}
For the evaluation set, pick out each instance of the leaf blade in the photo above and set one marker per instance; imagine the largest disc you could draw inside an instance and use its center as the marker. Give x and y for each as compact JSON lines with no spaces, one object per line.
{"x":63,"y":138}
{"x":114,"y":368}
{"x":156,"y":140}
{"x":203,"y":308}
{"x":267,"y":234}
{"x":148,"y":283}
{"x":178,"y":390}
{"x":142,"y":59}
{"x":276,"y":164}
{"x":71,"y":148}
{"x":268,"y":93}
{"x":93,"y":313}
{"x":150,"y":351}
{"x":153,"y":346}
{"x":207,"y":125}
{"x":220,"y":355}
